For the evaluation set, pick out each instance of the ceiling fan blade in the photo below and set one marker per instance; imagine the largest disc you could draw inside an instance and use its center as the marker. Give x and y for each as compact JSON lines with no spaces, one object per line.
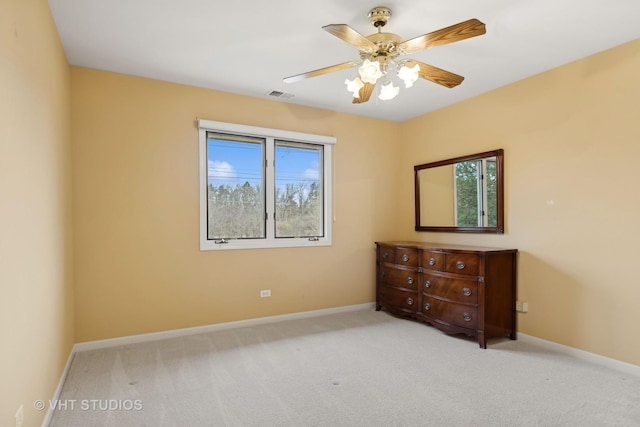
{"x":437,"y":75}
{"x":351,"y":36}
{"x":454,"y":33}
{"x":321,"y":71}
{"x":365,"y":93}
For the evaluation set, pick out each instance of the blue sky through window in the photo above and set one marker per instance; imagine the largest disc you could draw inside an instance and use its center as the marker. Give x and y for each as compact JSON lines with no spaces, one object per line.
{"x":235,"y":162}
{"x":296,"y":165}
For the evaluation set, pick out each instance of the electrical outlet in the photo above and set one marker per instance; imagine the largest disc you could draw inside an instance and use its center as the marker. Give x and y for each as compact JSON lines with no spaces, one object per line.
{"x":518,"y":306}
{"x":265,"y":293}
{"x":20,"y":416}
{"x":525,"y":307}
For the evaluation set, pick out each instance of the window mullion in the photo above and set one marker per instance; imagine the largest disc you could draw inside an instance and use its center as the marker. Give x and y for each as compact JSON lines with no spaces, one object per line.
{"x":270,"y":188}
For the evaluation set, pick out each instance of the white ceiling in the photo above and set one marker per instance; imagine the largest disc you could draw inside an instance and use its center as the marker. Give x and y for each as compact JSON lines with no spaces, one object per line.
{"x":248,"y":47}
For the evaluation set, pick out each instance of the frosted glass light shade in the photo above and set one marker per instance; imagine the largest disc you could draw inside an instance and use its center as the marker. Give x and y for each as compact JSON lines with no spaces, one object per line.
{"x":409,"y":74}
{"x":388,"y":91}
{"x":354,"y":86}
{"x":370,"y":71}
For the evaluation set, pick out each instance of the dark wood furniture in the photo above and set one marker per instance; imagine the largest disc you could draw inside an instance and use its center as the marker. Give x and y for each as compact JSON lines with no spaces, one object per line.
{"x":458,"y":289}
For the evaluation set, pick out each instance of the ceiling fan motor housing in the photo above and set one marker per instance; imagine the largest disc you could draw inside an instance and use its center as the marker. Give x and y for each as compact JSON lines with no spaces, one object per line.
{"x":386,"y":47}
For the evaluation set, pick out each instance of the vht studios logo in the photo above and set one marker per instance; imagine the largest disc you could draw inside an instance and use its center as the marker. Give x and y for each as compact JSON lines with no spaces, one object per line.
{"x":90,"y":405}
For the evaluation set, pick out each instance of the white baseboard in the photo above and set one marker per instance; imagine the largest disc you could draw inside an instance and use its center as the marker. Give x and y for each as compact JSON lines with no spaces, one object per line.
{"x":594,"y":358}
{"x":56,"y":394}
{"x":155,"y":336}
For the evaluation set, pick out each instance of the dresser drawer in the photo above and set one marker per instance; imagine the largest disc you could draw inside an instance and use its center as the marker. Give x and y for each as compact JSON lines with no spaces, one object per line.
{"x":449,"y":312}
{"x":432,"y":261}
{"x":399,"y":277}
{"x":462,"y":264}
{"x":386,"y":253}
{"x":406,"y":256}
{"x":406,"y":300}
{"x":457,"y":290}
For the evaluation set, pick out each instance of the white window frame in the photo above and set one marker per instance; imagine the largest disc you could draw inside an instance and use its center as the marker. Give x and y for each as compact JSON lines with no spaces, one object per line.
{"x":270,"y":135}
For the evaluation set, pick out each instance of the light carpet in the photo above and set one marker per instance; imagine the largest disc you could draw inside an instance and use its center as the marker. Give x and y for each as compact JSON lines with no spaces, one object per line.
{"x":361,"y":368}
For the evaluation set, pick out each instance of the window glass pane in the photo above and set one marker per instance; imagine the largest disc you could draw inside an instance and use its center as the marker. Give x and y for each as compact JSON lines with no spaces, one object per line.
{"x":467,"y":194}
{"x":298,"y":191}
{"x":235,"y":187}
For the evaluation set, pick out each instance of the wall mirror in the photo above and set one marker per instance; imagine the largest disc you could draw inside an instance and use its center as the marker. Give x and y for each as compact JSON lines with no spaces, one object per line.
{"x":462,"y":195}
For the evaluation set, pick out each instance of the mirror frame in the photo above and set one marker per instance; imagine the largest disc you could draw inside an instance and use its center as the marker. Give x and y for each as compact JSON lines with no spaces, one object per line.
{"x":499,"y":228}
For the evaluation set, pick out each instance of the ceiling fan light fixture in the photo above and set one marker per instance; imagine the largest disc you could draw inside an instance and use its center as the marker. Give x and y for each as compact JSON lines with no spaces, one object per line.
{"x":370,"y":71}
{"x":354,"y":86}
{"x":379,"y":53}
{"x":388,"y":91}
{"x":409,"y":74}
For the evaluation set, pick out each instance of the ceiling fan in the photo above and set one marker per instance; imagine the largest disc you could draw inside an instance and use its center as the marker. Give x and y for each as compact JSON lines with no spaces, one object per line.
{"x":380,"y":52}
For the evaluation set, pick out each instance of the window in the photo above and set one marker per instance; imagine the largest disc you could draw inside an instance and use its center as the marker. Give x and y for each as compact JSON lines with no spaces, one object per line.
{"x":263,"y":188}
{"x":476,"y":193}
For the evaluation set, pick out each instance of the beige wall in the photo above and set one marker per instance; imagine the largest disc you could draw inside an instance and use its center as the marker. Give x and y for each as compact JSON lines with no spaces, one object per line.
{"x":36,"y":295}
{"x":572,"y":145}
{"x":135,"y":181}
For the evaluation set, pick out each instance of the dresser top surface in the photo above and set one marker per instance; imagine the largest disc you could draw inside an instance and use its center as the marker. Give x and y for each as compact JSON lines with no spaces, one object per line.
{"x":445,"y":247}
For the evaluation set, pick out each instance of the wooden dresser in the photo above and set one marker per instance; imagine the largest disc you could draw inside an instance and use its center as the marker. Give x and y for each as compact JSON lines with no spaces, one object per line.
{"x":458,"y":289}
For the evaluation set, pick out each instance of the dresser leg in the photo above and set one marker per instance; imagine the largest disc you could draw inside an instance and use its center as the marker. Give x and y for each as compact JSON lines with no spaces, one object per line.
{"x":378,"y":307}
{"x":482,"y":340}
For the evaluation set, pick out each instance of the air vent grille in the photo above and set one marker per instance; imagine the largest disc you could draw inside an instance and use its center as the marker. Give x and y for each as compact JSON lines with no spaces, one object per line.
{"x":279,"y":94}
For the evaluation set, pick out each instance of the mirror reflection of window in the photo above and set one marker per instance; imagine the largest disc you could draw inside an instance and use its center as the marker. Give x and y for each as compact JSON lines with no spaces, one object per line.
{"x":475,"y":193}
{"x":491,"y":184}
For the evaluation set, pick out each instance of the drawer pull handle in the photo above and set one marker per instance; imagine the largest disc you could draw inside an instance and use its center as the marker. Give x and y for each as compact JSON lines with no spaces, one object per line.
{"x":466,"y":292}
{"x":410,"y":301}
{"x":385,"y":255}
{"x":461,"y":265}
{"x":427,"y":284}
{"x":466,"y":317}
{"x":427,"y":307}
{"x":405,"y":257}
{"x":382,"y":274}
{"x":432,"y":261}
{"x":410,"y":280}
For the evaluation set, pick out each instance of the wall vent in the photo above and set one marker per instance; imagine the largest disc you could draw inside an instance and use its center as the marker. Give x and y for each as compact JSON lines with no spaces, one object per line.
{"x":279,"y":94}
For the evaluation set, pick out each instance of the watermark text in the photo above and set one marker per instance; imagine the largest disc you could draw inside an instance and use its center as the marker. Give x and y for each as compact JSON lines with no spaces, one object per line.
{"x":89,"y":405}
